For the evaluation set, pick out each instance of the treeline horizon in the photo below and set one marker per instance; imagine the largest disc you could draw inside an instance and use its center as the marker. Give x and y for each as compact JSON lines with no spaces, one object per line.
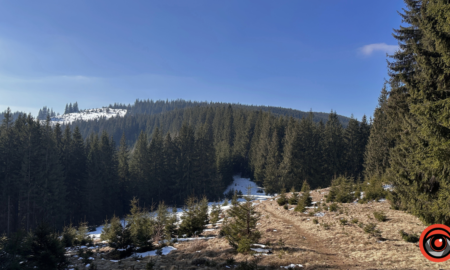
{"x":54,"y":174}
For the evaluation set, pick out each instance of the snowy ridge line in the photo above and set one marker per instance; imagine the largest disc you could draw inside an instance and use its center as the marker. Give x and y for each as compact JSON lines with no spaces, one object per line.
{"x":87,"y":115}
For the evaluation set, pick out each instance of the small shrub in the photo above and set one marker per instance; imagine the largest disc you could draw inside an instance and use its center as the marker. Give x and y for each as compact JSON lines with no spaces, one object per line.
{"x":159,"y":252}
{"x":286,"y":207}
{"x":311,"y":213}
{"x":372,"y":230}
{"x":230,"y":261}
{"x":343,"y":221}
{"x":373,"y":189}
{"x":326,"y":226}
{"x":244,"y":245}
{"x":380,"y":216}
{"x":315,"y":221}
{"x":69,"y":236}
{"x":293,"y":200}
{"x":225,"y":202}
{"x":341,"y":190}
{"x":85,"y":255}
{"x":253,"y":265}
{"x":354,"y":220}
{"x":412,"y":238}
{"x":282,"y":200}
{"x":300,"y":207}
{"x":92,"y":267}
{"x":150,"y":265}
{"x":361,"y":225}
{"x":341,"y":211}
{"x":333,"y":207}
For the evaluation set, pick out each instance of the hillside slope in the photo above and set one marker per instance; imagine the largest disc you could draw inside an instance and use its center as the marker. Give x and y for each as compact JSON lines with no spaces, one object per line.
{"x":295,"y":239}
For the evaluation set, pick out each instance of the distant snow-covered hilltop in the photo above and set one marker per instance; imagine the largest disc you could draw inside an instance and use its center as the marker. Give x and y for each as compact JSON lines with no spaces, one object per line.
{"x":89,"y":114}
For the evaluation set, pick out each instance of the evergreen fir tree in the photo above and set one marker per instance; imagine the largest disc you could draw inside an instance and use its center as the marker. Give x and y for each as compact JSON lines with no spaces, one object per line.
{"x":240,"y":227}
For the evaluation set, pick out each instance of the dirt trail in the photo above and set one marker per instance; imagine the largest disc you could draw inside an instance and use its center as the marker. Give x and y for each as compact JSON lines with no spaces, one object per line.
{"x":329,"y":258}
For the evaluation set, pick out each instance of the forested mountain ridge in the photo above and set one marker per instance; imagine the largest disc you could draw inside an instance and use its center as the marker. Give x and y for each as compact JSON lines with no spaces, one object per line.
{"x":169,"y":116}
{"x":53,"y":174}
{"x":150,"y":107}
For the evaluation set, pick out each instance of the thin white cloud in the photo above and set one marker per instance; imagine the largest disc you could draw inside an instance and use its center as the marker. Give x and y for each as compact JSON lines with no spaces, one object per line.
{"x":383,"y":47}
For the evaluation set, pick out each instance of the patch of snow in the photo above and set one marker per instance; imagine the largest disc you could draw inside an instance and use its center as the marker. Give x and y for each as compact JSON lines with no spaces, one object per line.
{"x":260,"y":250}
{"x":260,"y":245}
{"x":165,"y":251}
{"x":208,"y":230}
{"x":193,"y":239}
{"x":388,"y":187}
{"x":115,"y":260}
{"x":87,"y":115}
{"x":87,"y":265}
{"x":291,"y":266}
{"x":320,"y":214}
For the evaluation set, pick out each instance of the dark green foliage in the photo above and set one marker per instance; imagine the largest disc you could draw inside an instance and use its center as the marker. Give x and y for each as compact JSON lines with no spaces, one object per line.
{"x":372,"y":230}
{"x":373,"y":189}
{"x":306,"y":197}
{"x":215,"y":212}
{"x":417,"y":131}
{"x":240,"y":226}
{"x":150,"y":265}
{"x":140,"y":227}
{"x":195,"y":217}
{"x":85,"y":254}
{"x":282,"y":200}
{"x":341,"y":190}
{"x":117,"y":234}
{"x":333,"y":207}
{"x":412,"y":238}
{"x":46,"y":251}
{"x":343,"y":221}
{"x":293,"y":200}
{"x":81,"y":172}
{"x":380,"y":216}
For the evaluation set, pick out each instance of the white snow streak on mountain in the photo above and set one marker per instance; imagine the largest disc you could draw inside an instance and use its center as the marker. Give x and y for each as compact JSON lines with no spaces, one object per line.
{"x":87,"y":115}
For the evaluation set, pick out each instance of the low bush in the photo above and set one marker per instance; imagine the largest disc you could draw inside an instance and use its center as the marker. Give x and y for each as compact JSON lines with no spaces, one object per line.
{"x":412,"y":238}
{"x":326,"y":226}
{"x":354,"y":220}
{"x":244,"y":245}
{"x":293,"y":200}
{"x":282,"y":200}
{"x":225,"y":202}
{"x":333,"y":207}
{"x":343,"y":221}
{"x":372,"y":230}
{"x":300,"y":207}
{"x":315,"y":221}
{"x":373,"y":189}
{"x":380,"y":216}
{"x":341,"y":190}
{"x":286,"y":207}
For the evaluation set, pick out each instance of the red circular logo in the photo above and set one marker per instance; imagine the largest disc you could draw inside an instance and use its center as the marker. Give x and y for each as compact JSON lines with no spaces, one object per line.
{"x":435,"y":243}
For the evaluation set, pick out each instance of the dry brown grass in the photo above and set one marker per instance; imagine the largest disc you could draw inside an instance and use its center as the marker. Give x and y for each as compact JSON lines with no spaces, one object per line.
{"x":344,"y":246}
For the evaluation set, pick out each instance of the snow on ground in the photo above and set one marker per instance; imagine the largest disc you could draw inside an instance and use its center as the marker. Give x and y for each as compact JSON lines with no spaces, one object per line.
{"x":292,"y":266}
{"x":165,"y":251}
{"x":242,"y":184}
{"x":89,"y":114}
{"x":260,"y":250}
{"x":239,"y":184}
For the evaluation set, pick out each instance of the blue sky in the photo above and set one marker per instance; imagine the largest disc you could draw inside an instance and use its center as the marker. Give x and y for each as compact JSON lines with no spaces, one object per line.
{"x":320,"y":55}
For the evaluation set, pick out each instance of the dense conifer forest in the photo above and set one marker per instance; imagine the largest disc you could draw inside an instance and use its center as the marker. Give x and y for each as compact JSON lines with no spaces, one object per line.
{"x":169,"y":151}
{"x":409,"y":141}
{"x":54,"y":174}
